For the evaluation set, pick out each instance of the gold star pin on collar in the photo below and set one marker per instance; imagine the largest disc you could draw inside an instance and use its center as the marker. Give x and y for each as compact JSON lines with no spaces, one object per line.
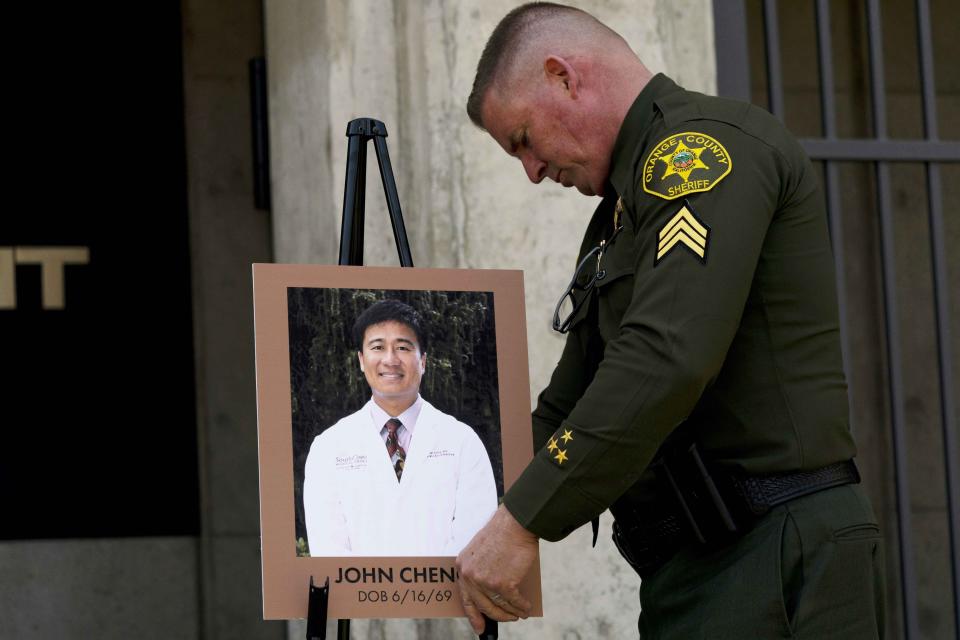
{"x":552,"y":444}
{"x":567,"y":435}
{"x":561,"y":456}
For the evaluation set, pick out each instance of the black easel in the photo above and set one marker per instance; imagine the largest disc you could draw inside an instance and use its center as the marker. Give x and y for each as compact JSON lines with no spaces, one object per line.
{"x":359,"y":132}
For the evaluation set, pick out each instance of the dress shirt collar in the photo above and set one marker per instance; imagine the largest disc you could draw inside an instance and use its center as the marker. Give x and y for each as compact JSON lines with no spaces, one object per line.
{"x":408,"y":418}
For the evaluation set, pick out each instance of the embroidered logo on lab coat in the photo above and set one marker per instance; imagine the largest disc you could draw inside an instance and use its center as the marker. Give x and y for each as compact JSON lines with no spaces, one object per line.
{"x":351,"y":463}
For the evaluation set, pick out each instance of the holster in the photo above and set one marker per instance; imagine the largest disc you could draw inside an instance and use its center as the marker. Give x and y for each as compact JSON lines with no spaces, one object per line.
{"x":706,"y":506}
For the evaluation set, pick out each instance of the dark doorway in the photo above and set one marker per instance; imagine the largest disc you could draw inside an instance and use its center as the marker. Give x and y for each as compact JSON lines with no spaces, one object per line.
{"x":97,"y":411}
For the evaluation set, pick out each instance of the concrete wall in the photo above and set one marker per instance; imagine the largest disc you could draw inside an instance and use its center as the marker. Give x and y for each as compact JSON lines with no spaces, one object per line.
{"x":108,"y":588}
{"x":227,"y":234}
{"x":466,"y":204}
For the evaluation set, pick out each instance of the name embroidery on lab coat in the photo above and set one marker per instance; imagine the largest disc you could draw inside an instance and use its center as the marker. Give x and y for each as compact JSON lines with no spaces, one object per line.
{"x":349,"y":463}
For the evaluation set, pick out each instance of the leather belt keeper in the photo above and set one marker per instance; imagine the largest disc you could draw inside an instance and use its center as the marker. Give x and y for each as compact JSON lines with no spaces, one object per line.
{"x":708,"y":508}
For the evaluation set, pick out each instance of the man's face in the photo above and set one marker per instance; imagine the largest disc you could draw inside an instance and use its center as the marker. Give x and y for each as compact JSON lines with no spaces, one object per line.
{"x":552,"y":134}
{"x":391,"y":361}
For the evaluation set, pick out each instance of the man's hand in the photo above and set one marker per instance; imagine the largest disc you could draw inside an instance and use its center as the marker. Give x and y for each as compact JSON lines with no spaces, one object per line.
{"x":491,"y":568}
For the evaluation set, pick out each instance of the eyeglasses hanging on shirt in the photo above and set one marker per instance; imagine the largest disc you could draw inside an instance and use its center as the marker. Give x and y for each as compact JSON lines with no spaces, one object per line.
{"x":588,"y":272}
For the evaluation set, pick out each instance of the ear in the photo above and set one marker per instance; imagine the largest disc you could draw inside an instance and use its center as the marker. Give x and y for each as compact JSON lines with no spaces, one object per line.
{"x":559,"y":70}
{"x":423,"y":363}
{"x":360,"y":358}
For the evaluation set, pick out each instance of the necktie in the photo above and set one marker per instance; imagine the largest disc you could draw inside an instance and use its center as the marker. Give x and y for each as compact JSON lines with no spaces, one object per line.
{"x":394,"y":450}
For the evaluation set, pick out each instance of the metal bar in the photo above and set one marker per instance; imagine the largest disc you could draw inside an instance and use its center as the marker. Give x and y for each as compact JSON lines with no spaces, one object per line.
{"x":948,"y":410}
{"x":730,"y":45}
{"x":882,"y":150}
{"x":259,"y":133}
{"x":825,"y":55}
{"x":774,"y":68}
{"x":393,"y":201}
{"x":892,"y":322}
{"x":941,"y":304}
{"x":925,"y":42}
{"x":898,"y":419}
{"x":831,"y":178}
{"x":878,"y":85}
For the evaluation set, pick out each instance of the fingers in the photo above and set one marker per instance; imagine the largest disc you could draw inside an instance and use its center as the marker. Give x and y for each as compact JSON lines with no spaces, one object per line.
{"x":514,"y":606}
{"x":491,"y":570}
{"x":483,"y":606}
{"x":493,"y":596}
{"x":492,"y":609}
{"x":476,"y":603}
{"x":474,"y":616}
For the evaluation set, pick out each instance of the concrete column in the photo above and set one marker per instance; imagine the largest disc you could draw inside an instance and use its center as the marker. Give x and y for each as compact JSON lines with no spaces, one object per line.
{"x":466,"y":204}
{"x":227,"y":234}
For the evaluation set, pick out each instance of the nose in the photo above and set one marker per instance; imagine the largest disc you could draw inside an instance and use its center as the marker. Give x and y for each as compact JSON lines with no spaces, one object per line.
{"x":390,"y":357}
{"x":535,"y":168}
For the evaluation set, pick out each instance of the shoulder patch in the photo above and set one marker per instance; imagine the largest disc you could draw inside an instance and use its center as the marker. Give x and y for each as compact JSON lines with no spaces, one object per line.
{"x":685,"y":163}
{"x":683,"y":229}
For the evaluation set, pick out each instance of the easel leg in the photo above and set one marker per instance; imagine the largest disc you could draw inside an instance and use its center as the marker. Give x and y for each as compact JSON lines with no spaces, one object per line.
{"x":317,"y":610}
{"x":351,"y":227}
{"x":490,"y":631}
{"x":393,"y":201}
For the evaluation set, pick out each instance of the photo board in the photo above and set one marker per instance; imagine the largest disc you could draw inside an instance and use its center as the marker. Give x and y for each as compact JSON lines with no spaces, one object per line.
{"x":336,"y":348}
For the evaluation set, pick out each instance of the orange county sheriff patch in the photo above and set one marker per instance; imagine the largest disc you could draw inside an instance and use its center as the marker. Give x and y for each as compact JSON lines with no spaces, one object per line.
{"x":558,"y":446}
{"x":684,"y":229}
{"x":685,"y":163}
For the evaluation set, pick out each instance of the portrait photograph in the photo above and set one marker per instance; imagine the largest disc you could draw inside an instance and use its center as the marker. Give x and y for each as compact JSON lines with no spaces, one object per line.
{"x":395,"y":418}
{"x":393,"y":412}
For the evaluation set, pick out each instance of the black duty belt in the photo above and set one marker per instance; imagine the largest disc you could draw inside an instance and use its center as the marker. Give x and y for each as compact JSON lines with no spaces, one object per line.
{"x":708,"y":507}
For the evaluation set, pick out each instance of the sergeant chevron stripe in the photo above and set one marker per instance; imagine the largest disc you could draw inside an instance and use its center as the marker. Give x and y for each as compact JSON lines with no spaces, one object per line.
{"x":683,"y":229}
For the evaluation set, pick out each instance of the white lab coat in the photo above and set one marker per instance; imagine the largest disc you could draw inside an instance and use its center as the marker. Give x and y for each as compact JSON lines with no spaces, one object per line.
{"x":354,"y":506}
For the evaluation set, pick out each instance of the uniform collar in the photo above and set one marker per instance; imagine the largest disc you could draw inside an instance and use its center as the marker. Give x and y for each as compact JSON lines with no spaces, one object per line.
{"x":633,"y":131}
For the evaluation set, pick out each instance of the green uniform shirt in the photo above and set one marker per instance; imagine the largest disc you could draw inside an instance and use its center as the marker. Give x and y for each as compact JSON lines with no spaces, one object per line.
{"x":717,"y":308}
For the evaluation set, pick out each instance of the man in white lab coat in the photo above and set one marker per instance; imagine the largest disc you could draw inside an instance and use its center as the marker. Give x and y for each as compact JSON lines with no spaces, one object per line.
{"x":398,"y":477}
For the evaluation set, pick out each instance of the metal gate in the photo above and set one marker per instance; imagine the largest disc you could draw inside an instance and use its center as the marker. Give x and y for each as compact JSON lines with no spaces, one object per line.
{"x":753,"y":62}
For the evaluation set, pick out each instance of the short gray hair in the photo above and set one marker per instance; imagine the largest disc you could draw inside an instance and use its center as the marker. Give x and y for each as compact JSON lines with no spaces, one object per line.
{"x":503,"y":45}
